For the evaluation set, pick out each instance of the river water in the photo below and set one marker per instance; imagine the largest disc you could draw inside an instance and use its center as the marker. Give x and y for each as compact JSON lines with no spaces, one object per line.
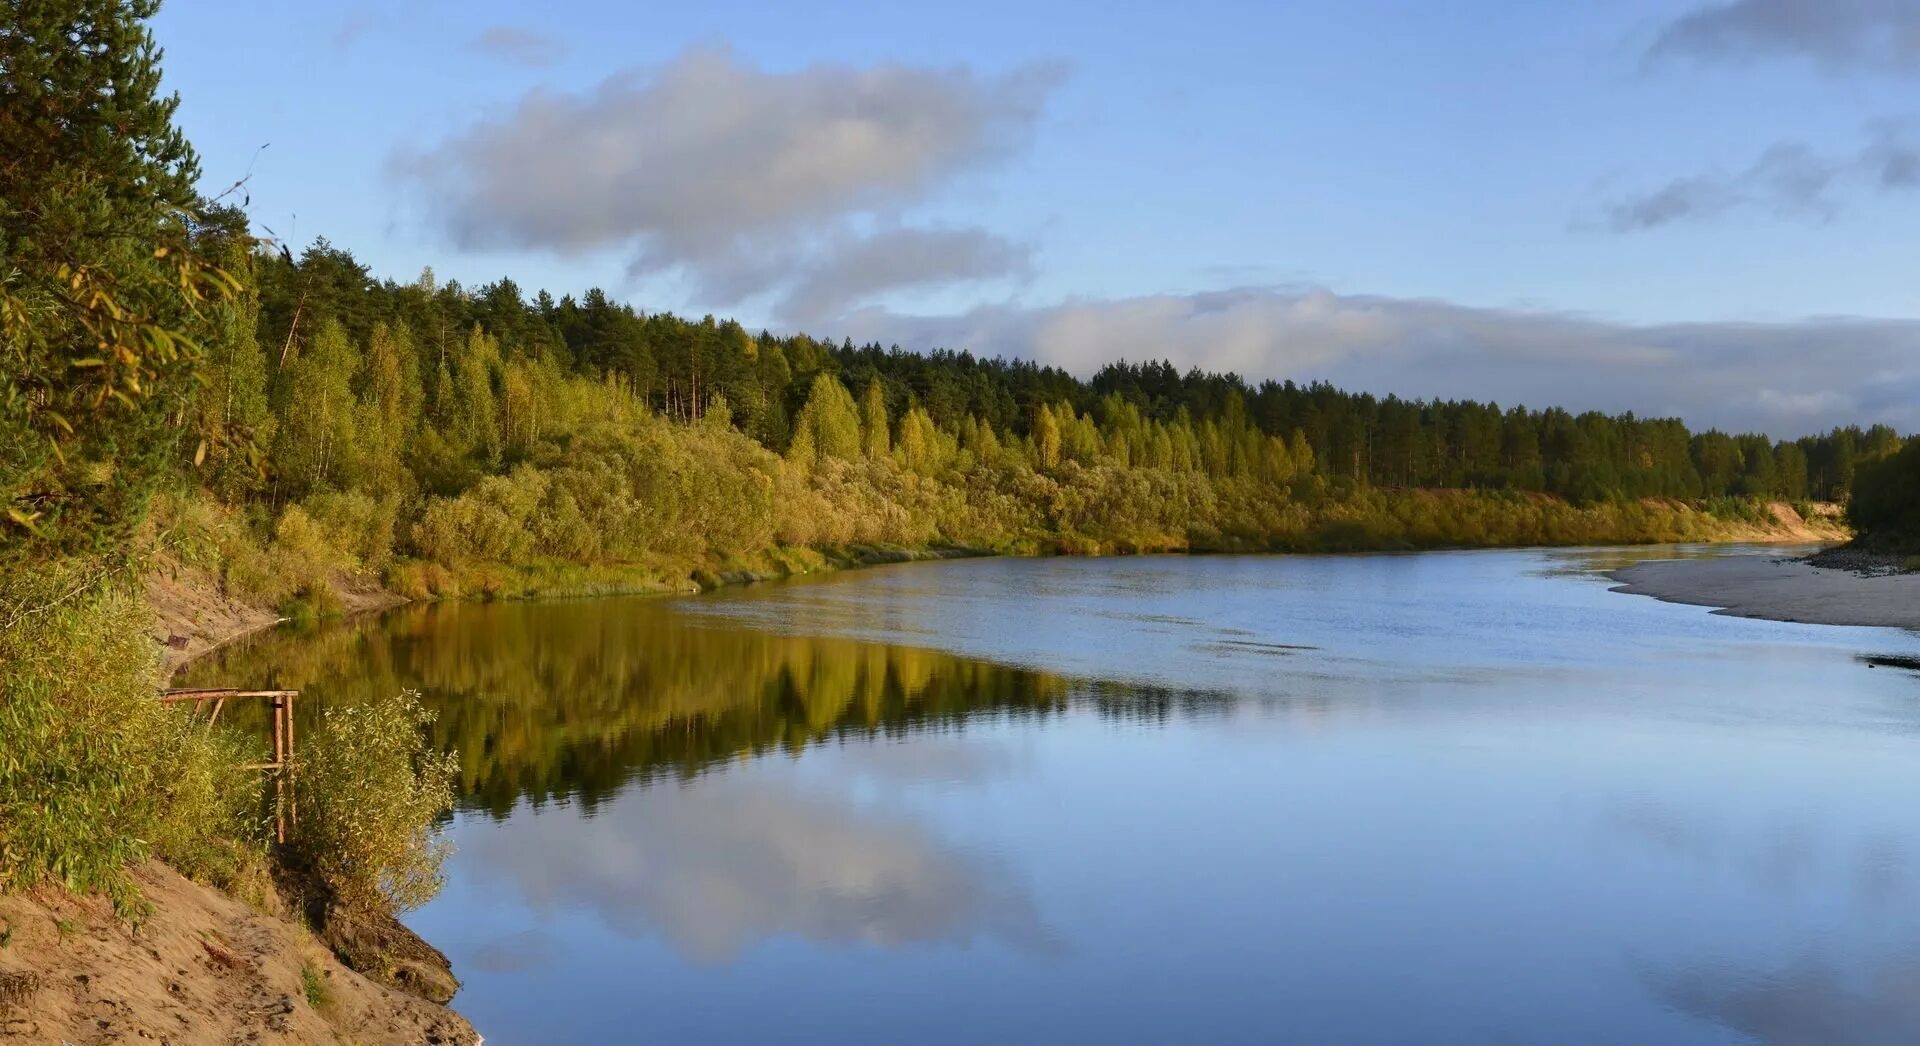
{"x":1456,"y":797}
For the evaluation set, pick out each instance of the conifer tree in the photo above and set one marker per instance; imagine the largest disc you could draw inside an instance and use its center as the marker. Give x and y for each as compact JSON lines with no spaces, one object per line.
{"x":104,"y":293}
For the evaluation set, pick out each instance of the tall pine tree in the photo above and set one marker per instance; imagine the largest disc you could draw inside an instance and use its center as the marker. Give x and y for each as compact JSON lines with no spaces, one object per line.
{"x":104,"y":289}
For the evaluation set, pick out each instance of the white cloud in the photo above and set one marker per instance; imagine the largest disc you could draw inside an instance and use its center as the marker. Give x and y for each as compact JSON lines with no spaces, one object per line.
{"x":745,"y":180}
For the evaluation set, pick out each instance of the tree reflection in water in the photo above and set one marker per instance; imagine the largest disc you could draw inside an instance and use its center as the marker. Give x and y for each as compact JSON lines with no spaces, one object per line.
{"x":576,"y":700}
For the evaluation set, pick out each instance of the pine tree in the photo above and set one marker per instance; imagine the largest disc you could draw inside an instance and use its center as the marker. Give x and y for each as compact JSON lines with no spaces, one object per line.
{"x":104,"y":297}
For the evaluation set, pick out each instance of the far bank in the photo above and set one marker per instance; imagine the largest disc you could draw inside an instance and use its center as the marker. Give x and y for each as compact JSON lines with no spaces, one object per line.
{"x":1778,"y":588}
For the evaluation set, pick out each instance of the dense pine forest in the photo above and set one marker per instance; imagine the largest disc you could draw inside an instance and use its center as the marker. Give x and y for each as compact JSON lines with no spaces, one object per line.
{"x":456,"y":440}
{"x":449,"y":340}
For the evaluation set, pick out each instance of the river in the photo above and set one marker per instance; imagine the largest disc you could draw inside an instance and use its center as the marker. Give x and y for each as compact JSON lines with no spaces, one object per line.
{"x":1452,"y":797}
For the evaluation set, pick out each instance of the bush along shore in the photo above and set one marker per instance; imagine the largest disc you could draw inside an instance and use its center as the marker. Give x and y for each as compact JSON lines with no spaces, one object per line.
{"x":1872,"y":580}
{"x":142,"y":892}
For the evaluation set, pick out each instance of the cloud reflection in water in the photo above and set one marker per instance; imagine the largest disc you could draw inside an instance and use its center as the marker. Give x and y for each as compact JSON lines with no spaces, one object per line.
{"x":721,"y":864}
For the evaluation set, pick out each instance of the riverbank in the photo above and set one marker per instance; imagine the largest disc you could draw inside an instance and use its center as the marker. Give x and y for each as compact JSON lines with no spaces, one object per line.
{"x":1779,"y":589}
{"x":203,"y":965}
{"x":193,"y":614}
{"x":197,"y":607}
{"x":200,"y":967}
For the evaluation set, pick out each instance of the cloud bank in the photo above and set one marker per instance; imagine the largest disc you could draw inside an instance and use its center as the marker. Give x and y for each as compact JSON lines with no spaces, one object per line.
{"x":738,"y":177}
{"x":1835,"y":35}
{"x":1787,"y":379}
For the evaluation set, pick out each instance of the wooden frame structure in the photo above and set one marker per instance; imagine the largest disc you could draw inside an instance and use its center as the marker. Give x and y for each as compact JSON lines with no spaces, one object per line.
{"x":281,"y":766}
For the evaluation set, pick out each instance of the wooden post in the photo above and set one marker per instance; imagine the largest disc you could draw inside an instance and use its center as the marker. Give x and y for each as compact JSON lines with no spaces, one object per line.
{"x":281,"y":766}
{"x":293,"y":808}
{"x":279,"y":776}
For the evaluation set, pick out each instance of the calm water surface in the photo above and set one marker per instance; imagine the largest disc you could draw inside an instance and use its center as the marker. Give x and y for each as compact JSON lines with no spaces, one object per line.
{"x":1459,"y":797}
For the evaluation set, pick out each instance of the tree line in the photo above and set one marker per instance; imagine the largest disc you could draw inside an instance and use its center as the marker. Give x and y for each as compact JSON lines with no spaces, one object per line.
{"x":346,"y":381}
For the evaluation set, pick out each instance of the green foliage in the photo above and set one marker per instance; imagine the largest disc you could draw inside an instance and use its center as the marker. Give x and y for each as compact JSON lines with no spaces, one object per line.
{"x":1738,"y":510}
{"x":211,"y":827}
{"x":105,"y":286}
{"x":317,"y":443}
{"x":95,"y":773}
{"x":876,"y":434}
{"x":314,"y":987}
{"x":1885,"y":507}
{"x":370,"y":796}
{"x":500,"y":435}
{"x":232,"y":427}
{"x":828,"y":426}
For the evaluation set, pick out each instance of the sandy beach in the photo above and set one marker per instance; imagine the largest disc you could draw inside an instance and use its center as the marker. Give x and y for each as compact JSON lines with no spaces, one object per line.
{"x":1778,"y":589}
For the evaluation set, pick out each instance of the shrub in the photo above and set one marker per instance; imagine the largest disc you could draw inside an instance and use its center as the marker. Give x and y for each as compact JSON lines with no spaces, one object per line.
{"x":313,"y":985}
{"x":211,"y":826}
{"x":371,"y":792}
{"x":95,"y":773}
{"x":355,"y":531}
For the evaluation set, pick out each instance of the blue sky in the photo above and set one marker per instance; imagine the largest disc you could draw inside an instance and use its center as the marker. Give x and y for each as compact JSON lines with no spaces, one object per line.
{"x":1606,"y":205}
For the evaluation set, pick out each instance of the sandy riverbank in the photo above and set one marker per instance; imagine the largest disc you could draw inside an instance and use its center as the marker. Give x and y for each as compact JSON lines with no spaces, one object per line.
{"x":201,"y":966}
{"x":1778,"y":589}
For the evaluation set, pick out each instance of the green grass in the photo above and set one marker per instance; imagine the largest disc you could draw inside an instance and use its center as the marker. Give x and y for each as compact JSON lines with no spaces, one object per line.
{"x":313,"y":985}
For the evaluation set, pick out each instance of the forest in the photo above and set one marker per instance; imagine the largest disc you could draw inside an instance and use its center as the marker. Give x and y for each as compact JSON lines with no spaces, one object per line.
{"x":455,"y":441}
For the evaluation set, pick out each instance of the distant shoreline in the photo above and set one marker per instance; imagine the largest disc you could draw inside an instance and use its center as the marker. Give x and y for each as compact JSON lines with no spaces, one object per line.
{"x":1777,"y":588}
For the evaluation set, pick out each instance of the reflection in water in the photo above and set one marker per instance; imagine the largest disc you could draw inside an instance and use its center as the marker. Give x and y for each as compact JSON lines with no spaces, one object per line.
{"x":1450,"y":798}
{"x":1795,"y":862}
{"x":732,"y":862}
{"x":576,"y":699}
{"x":1809,"y":1003}
{"x":1910,"y":664}
{"x":522,"y":951}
